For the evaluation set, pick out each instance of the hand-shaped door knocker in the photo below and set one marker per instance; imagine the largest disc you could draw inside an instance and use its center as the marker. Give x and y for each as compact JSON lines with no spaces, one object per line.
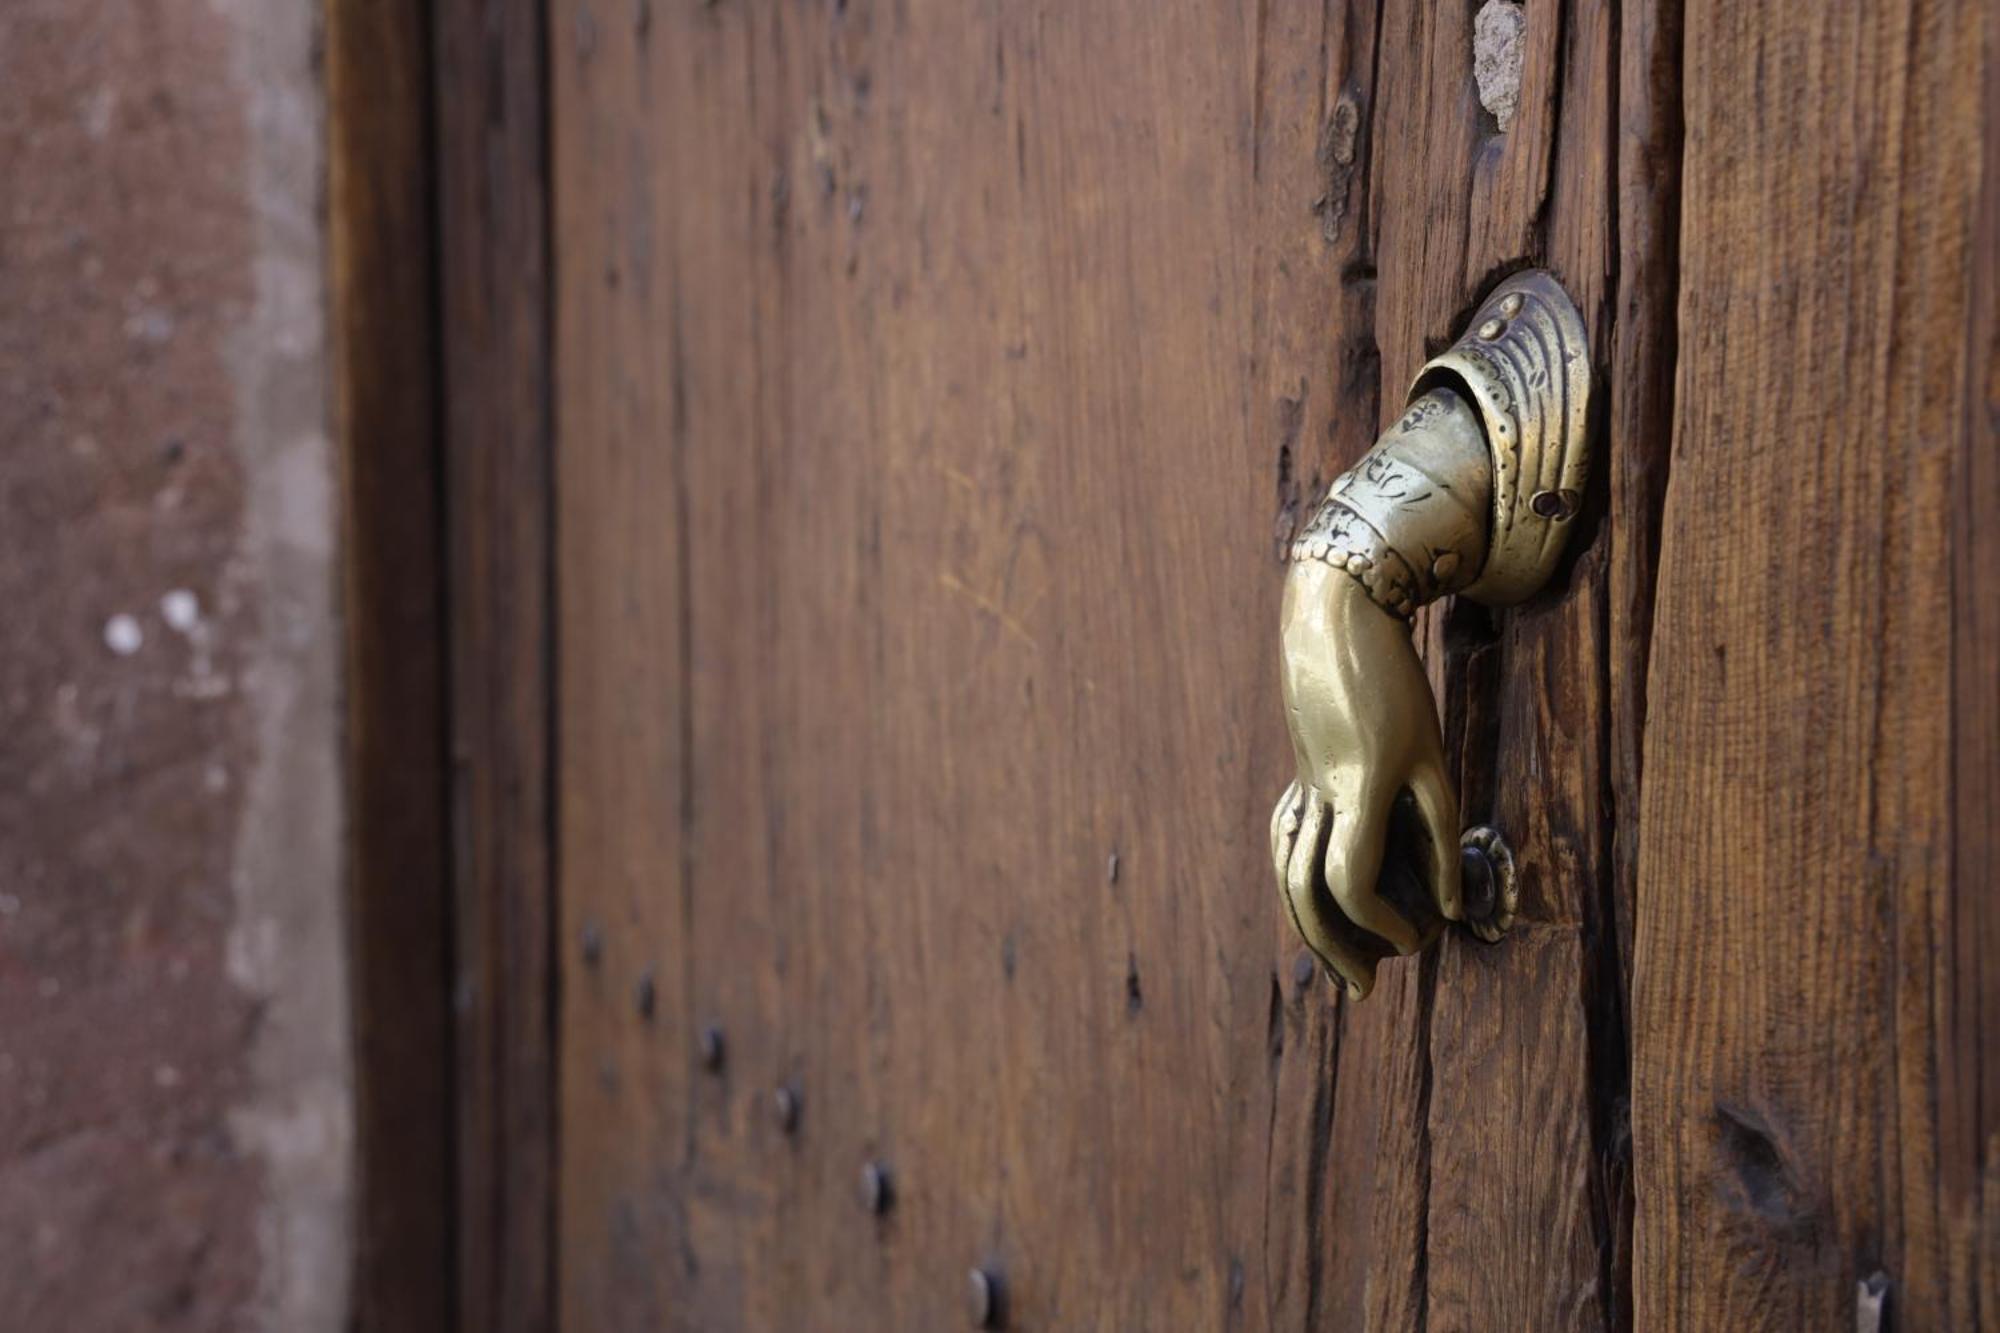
{"x":1472,"y":492}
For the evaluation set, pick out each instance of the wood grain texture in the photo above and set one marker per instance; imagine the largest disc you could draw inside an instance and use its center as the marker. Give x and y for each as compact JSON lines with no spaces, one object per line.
{"x":1813,"y":933}
{"x":1639,"y":432}
{"x":1969,"y":1002}
{"x":1640,"y":394}
{"x":1314,"y":400}
{"x":922,"y":383}
{"x":494,"y":302}
{"x":379,"y":236}
{"x":867,"y":676}
{"x":1519,"y":1160}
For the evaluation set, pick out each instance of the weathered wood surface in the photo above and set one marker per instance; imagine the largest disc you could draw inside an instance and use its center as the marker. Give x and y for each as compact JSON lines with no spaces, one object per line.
{"x":1969,"y":1063}
{"x":1814,"y":990}
{"x":922,"y":379}
{"x":381,"y":315}
{"x":494,"y":310}
{"x":1511,"y":1165}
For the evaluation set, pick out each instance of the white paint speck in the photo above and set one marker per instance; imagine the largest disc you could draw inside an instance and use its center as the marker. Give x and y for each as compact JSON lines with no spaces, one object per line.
{"x":9,"y":905}
{"x":181,"y":610}
{"x":166,"y":1076}
{"x":123,"y":636}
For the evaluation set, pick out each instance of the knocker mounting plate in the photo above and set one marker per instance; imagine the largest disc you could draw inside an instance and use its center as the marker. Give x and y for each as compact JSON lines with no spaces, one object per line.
{"x":1526,"y":362}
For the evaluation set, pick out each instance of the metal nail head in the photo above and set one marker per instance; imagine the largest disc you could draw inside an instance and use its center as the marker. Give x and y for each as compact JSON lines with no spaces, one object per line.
{"x":877,"y":1190}
{"x":1491,"y":890}
{"x":1482,"y":891}
{"x":710,"y":1044}
{"x":983,"y":1299}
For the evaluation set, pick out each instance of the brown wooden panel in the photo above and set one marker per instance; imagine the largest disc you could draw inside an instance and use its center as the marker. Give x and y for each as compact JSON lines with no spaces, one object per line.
{"x":1969,"y":1004}
{"x":1314,"y":386}
{"x":380,"y":230}
{"x":1509,"y":1165}
{"x":922,"y":381}
{"x":626,"y":1215}
{"x":878,"y":399}
{"x":1807,"y":1004}
{"x":1522,"y":1108}
{"x":494,"y":312}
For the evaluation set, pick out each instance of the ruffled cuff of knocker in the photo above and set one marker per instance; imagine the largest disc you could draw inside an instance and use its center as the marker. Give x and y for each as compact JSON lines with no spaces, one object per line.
{"x":1339,"y":537}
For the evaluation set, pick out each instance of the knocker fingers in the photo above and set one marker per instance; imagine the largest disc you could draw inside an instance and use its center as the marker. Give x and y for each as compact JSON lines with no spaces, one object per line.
{"x":1310,"y":905}
{"x":1437,"y":806}
{"x":1353,"y":866}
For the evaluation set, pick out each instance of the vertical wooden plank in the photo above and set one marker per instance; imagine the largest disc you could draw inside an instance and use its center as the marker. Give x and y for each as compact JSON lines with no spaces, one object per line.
{"x":493,"y":313}
{"x":1641,"y":397}
{"x":1094,"y":406}
{"x":379,"y":234}
{"x":1524,"y":1041}
{"x":1968,"y":998}
{"x":1799,"y":987}
{"x":1315,"y":377}
{"x":848,"y":737}
{"x":631,"y":169}
{"x":1638,"y":439}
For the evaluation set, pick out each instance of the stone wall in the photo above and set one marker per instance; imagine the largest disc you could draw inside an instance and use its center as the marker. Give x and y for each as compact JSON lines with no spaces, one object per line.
{"x":175,"y":1089}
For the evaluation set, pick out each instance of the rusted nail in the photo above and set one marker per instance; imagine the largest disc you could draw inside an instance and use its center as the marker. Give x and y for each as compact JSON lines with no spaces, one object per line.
{"x":710,"y":1044}
{"x":877,"y":1191}
{"x":644,"y":996}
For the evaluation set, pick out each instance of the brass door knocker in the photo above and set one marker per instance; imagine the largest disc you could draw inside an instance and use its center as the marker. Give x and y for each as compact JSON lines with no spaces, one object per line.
{"x":1473,"y":492}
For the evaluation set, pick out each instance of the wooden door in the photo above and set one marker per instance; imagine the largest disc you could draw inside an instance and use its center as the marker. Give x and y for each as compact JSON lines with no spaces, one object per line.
{"x":934,"y":390}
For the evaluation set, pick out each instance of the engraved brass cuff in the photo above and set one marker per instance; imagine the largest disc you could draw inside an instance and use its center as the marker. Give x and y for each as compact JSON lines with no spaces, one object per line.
{"x":1409,"y":520}
{"x":1474,"y":489}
